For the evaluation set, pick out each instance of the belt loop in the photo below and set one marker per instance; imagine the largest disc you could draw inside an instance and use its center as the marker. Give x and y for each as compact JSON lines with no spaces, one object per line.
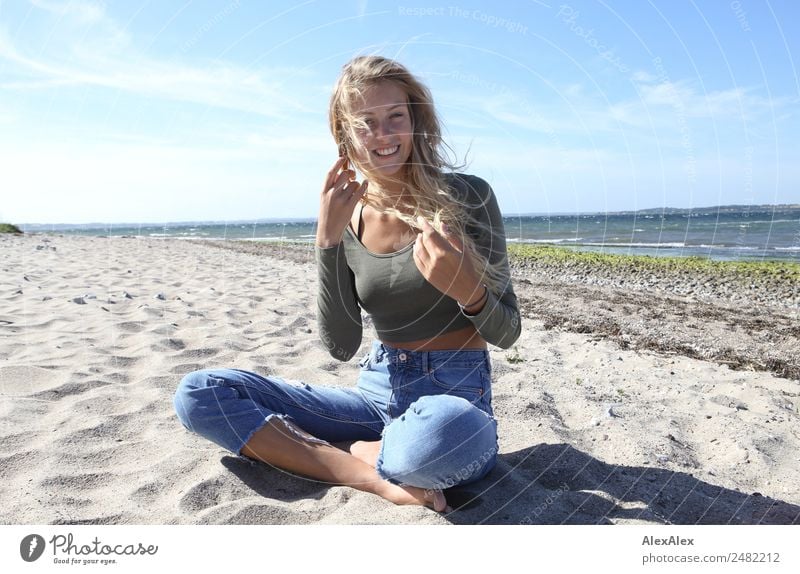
{"x":425,"y":362}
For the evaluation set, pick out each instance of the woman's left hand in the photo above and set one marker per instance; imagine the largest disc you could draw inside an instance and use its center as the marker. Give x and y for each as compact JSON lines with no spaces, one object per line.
{"x":441,"y":260}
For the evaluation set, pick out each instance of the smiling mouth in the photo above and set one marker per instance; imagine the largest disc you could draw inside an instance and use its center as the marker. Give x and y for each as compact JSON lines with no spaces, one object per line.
{"x":386,"y":151}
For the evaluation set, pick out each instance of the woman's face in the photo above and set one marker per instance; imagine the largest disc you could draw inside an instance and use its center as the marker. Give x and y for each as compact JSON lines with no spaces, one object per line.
{"x":385,"y":144}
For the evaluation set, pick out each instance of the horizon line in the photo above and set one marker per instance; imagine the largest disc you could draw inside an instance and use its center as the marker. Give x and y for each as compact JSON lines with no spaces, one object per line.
{"x":505,"y":216}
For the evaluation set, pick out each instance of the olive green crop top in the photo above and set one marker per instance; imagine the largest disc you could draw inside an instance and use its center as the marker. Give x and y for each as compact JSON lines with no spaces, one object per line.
{"x":402,"y":304}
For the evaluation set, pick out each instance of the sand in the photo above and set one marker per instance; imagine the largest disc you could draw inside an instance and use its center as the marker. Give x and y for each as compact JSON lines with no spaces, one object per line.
{"x":597,"y":425}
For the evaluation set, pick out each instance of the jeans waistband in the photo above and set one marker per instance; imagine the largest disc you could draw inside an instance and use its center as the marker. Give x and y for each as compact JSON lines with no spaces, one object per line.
{"x":425,"y":360}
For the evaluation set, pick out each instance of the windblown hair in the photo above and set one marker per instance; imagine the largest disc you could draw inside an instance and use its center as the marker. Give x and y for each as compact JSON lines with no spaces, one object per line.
{"x":424,"y":177}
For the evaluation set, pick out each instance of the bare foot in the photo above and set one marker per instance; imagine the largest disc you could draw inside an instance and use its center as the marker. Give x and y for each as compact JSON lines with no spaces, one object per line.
{"x":366,"y":451}
{"x":413,"y":495}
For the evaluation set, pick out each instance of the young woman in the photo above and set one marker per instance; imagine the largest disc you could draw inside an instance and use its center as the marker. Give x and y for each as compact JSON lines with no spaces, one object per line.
{"x":422,"y":251}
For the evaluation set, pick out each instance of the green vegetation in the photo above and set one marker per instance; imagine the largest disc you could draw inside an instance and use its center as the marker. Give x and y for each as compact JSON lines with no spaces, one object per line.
{"x":291,"y":243}
{"x":563,"y":257}
{"x":514,"y":356}
{"x":9,"y":228}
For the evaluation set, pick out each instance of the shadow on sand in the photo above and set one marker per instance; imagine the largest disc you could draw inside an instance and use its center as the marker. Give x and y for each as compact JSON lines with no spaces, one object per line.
{"x":558,"y":484}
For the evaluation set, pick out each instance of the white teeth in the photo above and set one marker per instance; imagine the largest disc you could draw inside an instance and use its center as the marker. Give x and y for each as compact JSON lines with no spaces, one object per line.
{"x":387,"y":150}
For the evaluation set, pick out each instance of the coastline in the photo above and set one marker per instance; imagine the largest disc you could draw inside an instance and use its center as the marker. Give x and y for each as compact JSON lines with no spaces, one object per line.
{"x":617,"y":404}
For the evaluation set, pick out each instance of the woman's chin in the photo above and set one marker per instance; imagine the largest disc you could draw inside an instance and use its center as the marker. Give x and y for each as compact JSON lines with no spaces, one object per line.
{"x":388,"y":169}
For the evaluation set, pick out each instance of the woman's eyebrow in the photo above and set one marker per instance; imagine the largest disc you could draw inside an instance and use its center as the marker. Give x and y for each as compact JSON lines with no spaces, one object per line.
{"x":387,"y":109}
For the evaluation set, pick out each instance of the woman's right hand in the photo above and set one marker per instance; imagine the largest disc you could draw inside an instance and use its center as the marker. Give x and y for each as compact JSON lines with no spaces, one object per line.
{"x":339,"y":197}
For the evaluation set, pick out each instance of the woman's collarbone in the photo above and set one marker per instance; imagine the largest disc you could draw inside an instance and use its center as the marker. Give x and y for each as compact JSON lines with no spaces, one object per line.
{"x":385,"y":233}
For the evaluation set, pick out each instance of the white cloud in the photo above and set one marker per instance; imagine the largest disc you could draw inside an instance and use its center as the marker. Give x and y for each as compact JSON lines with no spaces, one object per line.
{"x":219,"y":85}
{"x":660,"y":110}
{"x":81,"y":10}
{"x":641,"y":76}
{"x":98,"y":32}
{"x":731,"y":104}
{"x":502,"y":154}
{"x":665,"y":94}
{"x":104,"y":58}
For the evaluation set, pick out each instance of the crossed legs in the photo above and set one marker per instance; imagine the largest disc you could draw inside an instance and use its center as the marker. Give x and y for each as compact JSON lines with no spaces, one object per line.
{"x":440,"y":441}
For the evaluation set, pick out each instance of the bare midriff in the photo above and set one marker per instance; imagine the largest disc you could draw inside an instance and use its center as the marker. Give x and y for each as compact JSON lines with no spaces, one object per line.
{"x":466,"y":338}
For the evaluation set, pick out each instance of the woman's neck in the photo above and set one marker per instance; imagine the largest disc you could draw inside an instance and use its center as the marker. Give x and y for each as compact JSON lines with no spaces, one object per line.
{"x":388,"y":196}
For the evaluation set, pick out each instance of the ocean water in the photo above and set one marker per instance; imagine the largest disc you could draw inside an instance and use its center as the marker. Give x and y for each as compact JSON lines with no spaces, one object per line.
{"x":746,"y":233}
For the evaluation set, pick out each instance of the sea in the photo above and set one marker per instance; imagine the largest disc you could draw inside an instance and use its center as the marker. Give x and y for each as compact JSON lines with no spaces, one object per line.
{"x":729,"y":233}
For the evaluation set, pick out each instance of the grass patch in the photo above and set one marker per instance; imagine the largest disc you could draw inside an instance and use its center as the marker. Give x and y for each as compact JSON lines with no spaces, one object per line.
{"x":9,"y":228}
{"x":514,"y":357}
{"x":299,"y":243}
{"x":552,"y":255}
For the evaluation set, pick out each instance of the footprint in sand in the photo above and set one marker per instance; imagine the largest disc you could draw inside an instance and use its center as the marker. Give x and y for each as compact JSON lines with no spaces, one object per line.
{"x":69,"y":389}
{"x":26,"y":381}
{"x":132,"y":326}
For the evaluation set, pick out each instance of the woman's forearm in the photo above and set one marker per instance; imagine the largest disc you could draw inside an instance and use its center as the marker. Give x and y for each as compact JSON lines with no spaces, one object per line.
{"x":338,"y":313}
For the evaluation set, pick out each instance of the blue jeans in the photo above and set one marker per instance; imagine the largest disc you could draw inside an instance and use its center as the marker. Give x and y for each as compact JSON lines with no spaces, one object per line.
{"x":432,"y":410}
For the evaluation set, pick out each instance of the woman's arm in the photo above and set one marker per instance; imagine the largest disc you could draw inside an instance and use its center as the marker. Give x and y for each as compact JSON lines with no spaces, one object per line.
{"x":498,"y":320}
{"x":440,"y":259}
{"x":338,"y":313}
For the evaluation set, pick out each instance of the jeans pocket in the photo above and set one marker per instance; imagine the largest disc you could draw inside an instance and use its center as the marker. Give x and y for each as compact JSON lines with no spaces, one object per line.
{"x":470,"y":383}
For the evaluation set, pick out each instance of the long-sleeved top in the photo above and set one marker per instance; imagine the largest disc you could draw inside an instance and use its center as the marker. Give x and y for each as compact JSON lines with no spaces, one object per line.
{"x":403,"y":305}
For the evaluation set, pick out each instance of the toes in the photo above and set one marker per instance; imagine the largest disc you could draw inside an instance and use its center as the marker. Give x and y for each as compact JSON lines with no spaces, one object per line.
{"x":439,"y":501}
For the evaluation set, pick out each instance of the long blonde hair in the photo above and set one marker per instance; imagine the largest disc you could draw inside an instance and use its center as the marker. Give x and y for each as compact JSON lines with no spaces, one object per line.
{"x":425,"y":177}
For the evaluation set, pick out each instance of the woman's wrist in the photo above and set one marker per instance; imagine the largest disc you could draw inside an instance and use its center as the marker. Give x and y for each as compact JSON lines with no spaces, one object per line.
{"x":327,"y":236}
{"x":476,"y":305}
{"x":327,"y":244}
{"x":325,"y":240}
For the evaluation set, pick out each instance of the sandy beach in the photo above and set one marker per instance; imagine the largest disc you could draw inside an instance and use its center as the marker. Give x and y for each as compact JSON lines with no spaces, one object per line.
{"x":626,"y":400}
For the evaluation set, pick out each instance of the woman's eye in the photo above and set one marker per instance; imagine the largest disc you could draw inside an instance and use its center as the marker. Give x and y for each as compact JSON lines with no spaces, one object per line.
{"x":397,"y":115}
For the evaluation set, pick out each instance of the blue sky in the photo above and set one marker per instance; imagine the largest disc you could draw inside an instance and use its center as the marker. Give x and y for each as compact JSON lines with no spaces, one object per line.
{"x":160,"y":111}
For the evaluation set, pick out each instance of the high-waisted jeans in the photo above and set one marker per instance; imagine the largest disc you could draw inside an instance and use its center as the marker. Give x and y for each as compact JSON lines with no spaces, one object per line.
{"x":431,"y":409}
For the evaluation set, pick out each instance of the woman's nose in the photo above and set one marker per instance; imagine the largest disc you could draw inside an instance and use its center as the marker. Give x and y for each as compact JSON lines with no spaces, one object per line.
{"x":383,"y":128}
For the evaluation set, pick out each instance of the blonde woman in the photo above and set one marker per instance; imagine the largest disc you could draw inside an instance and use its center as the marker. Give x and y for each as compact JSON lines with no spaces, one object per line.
{"x":421,"y":249}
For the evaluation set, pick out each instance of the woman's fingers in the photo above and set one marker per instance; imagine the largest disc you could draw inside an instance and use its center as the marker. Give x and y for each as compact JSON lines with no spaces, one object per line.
{"x":350,"y":189}
{"x":337,"y":201}
{"x":432,"y":239}
{"x":430,"y":243}
{"x":344,"y":179}
{"x":329,"y":181}
{"x":361,"y":190}
{"x":353,"y":193}
{"x":420,"y":252}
